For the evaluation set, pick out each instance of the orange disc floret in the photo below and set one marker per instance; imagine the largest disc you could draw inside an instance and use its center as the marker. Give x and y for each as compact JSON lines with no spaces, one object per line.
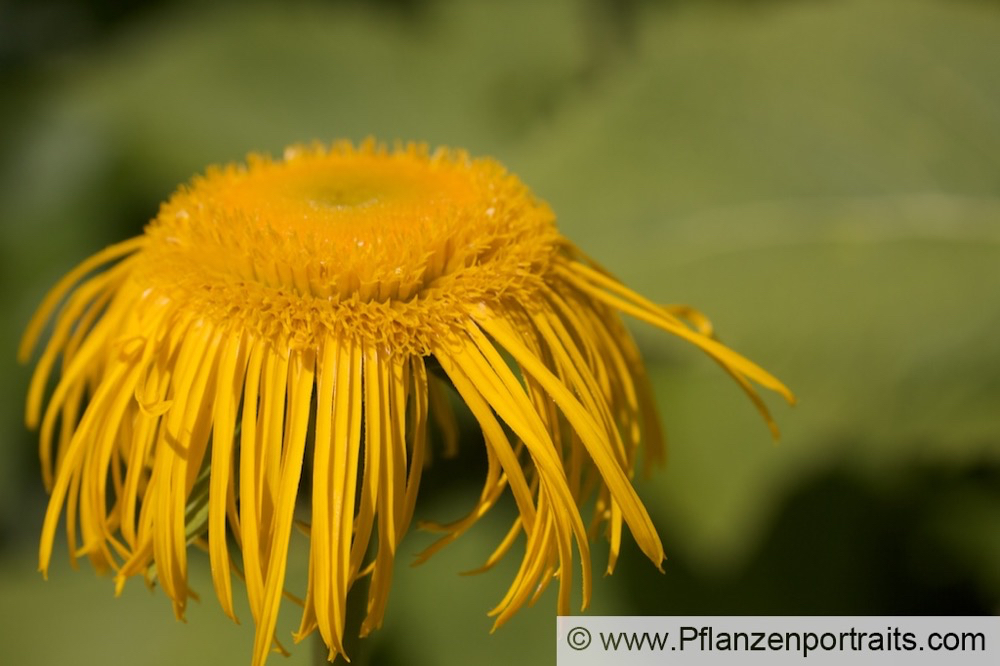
{"x":390,"y":246}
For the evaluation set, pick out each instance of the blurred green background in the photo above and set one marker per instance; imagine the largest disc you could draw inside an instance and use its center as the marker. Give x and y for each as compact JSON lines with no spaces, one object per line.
{"x":822,"y":178}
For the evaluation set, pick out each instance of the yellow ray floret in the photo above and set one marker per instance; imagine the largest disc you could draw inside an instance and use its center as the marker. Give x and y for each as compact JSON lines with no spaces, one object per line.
{"x":275,"y":320}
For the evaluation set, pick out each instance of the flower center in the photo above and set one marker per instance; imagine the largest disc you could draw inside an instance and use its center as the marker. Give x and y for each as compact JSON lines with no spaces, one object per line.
{"x":331,"y":190}
{"x":343,"y":194}
{"x":364,"y":233}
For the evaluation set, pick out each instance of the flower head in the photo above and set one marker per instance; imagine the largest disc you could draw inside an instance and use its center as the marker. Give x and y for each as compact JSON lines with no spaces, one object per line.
{"x":275,"y":320}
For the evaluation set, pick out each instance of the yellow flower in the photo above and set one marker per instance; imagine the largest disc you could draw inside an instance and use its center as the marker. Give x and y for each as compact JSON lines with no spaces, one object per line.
{"x":278,"y":316}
